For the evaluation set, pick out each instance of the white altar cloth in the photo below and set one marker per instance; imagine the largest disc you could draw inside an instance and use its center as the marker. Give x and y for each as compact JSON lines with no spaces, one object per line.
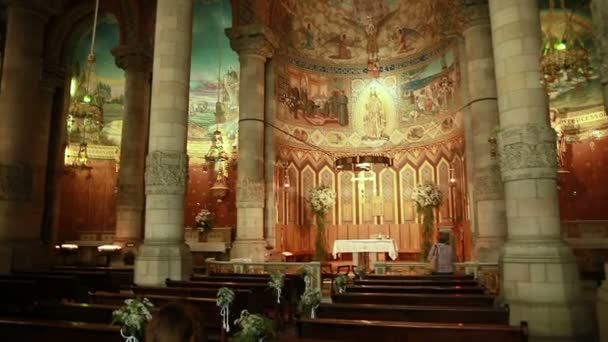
{"x":369,"y":245}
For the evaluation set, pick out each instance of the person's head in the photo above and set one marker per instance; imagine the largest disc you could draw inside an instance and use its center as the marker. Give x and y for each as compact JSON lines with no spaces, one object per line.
{"x":444,"y":238}
{"x":176,"y":322}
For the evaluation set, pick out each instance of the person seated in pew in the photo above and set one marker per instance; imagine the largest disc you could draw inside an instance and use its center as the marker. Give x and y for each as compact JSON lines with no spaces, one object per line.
{"x":442,"y":252}
{"x":176,"y":322}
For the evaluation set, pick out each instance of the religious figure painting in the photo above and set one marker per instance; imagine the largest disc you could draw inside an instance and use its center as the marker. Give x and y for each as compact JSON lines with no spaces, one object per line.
{"x":315,"y":100}
{"x":429,"y":93}
{"x":364,"y":31}
{"x":375,"y":118}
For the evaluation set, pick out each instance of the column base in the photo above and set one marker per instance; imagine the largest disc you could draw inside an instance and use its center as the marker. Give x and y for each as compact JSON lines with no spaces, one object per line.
{"x":155,"y":262}
{"x":541,"y":285}
{"x":249,"y":249}
{"x":23,"y":255}
{"x":488,"y":249}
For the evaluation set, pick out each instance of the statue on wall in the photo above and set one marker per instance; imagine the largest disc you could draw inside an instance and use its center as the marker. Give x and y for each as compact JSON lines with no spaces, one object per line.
{"x":371,"y":29}
{"x":375,"y":118}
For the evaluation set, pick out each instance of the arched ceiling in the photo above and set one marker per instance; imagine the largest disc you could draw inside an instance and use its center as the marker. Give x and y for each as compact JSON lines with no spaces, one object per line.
{"x":338,"y":31}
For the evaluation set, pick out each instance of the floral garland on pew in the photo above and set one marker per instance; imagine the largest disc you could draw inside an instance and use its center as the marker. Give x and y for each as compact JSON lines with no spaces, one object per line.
{"x":310,"y":301}
{"x":277,"y":281}
{"x":254,"y":327}
{"x":340,"y":283}
{"x":133,"y":316}
{"x":427,"y":196}
{"x":225,"y":297}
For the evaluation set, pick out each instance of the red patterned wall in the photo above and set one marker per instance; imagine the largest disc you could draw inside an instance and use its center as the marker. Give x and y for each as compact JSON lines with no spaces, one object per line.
{"x":199,"y":196}
{"x":583,"y":192}
{"x":87,"y":201}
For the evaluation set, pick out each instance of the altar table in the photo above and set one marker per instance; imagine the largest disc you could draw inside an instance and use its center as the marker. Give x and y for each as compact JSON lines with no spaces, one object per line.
{"x":369,"y":245}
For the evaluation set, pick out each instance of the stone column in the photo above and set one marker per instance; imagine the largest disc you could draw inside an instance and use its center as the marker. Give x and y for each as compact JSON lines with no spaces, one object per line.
{"x":488,"y":198}
{"x":163,"y":253}
{"x":540,"y":280}
{"x":270,"y":212}
{"x":599,"y":15}
{"x":136,"y":61}
{"x":24,"y":134}
{"x":53,"y":101}
{"x":254,"y":44}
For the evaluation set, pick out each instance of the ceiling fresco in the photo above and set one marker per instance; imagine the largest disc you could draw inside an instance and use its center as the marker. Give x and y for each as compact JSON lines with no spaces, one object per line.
{"x":407,"y":107}
{"x":356,"y":31}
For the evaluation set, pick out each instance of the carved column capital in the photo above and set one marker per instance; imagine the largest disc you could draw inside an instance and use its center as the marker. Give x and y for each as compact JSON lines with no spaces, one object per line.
{"x":133,"y":58}
{"x":488,"y":184}
{"x":527,"y":151}
{"x":15,"y":182}
{"x":476,"y":13}
{"x":253,"y":39}
{"x":250,"y":193}
{"x":166,"y":172}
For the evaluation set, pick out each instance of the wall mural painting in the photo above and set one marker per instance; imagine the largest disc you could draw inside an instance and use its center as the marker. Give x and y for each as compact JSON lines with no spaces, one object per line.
{"x":414,"y":105}
{"x":214,"y":79}
{"x":365,"y":31}
{"x":573,"y":95}
{"x":106,"y":82}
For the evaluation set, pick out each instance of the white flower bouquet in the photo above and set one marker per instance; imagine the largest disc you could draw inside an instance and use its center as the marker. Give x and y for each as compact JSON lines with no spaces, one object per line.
{"x":133,"y":316}
{"x":427,"y":195}
{"x":321,"y":199}
{"x":204,"y":220}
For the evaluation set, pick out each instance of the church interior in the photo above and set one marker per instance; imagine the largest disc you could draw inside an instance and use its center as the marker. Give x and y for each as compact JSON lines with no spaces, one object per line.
{"x":296,"y":170}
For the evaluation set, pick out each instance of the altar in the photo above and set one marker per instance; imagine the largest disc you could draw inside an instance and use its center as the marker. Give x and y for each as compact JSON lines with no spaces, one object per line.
{"x":371,"y":246}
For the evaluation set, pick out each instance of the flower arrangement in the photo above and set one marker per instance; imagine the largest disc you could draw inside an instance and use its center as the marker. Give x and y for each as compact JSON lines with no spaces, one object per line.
{"x":427,"y":197}
{"x":360,"y":271}
{"x":306,"y":274}
{"x":133,"y":316}
{"x":254,"y":327}
{"x":204,"y":220}
{"x":310,"y":301}
{"x":225,"y":297}
{"x":340,"y":283}
{"x":277,"y":281}
{"x":321,"y":199}
{"x":427,"y":194}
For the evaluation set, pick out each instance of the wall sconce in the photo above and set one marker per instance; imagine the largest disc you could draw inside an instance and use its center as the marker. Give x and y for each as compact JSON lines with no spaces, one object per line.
{"x":286,"y":182}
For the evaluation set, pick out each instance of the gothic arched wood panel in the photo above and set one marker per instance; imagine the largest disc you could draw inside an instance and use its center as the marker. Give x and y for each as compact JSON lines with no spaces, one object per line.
{"x":388,"y":193}
{"x":346,"y":198}
{"x":407,"y":177}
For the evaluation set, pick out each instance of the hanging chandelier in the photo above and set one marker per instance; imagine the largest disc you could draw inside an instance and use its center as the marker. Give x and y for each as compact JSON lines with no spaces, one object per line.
{"x":362,"y":162}
{"x":85,"y":115}
{"x":565,"y":59}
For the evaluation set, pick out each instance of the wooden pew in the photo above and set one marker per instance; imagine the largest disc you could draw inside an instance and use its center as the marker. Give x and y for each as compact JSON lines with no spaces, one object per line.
{"x":417,"y":282}
{"x":15,"y":294}
{"x":411,"y":313}
{"x":389,"y":331}
{"x":244,"y":296}
{"x":418,"y":277}
{"x":43,"y":330}
{"x":120,"y":277}
{"x":51,"y":287}
{"x":207,"y":307}
{"x":90,"y":280}
{"x":416,"y":289}
{"x":414,"y":299}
